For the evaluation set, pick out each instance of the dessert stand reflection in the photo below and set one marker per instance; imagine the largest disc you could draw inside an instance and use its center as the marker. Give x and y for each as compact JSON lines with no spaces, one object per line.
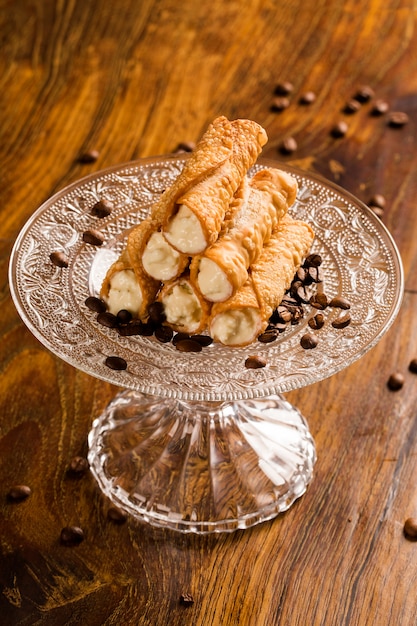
{"x":197,"y":442}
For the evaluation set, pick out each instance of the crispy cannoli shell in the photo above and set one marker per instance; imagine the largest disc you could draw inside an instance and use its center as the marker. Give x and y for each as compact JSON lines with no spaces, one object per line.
{"x":197,"y":325}
{"x":271,"y":192}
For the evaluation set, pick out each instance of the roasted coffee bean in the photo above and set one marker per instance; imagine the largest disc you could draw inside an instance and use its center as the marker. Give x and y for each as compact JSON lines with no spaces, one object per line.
{"x":130,"y":330}
{"x":95,"y":304}
{"x":255,"y":362}
{"x":397,"y":119}
{"x":116,"y":515}
{"x":280,"y":104}
{"x":339,"y":302}
{"x":188,"y":345}
{"x":319,"y":301}
{"x":124,"y":316}
{"x":203,"y":340}
{"x":179,"y":337}
{"x":72,"y":535}
{"x":89,"y":157}
{"x":59,"y":259}
{"x":288,"y":146}
{"x":296,"y":316}
{"x":316,"y":322}
{"x":164,"y":334}
{"x":395,"y":381}
{"x":284,"y":88}
{"x":352,"y":106}
{"x":302,"y":294}
{"x":313,"y":260}
{"x":410,"y":528}
{"x":102,"y":208}
{"x":307,"y":98}
{"x":107,"y":319}
{"x":313,"y":275}
{"x":284,"y":314}
{"x":116,"y":363}
{"x":413,"y":366}
{"x":364,"y":94}
{"x":342,"y":321}
{"x":380,"y":107}
{"x":93,"y":237}
{"x":186,"y":599}
{"x":268,"y":336}
{"x":339,"y":130}
{"x":17,"y":493}
{"x":309,"y":341}
{"x":377,"y":200}
{"x":78,"y":465}
{"x":157,"y":313}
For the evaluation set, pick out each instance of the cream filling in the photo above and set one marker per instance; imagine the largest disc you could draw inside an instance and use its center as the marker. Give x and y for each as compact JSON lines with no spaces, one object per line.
{"x":159,"y":259}
{"x":184,"y":232}
{"x":213,"y":282}
{"x":124,"y":293}
{"x":182,"y":307}
{"x":235,"y":327}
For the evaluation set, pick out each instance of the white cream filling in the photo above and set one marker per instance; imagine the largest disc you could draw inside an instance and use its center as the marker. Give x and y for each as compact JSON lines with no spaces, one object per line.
{"x":182,"y":307}
{"x":213,"y":282}
{"x":159,"y":259}
{"x":124,"y":293}
{"x":184,"y":232}
{"x":235,"y":327}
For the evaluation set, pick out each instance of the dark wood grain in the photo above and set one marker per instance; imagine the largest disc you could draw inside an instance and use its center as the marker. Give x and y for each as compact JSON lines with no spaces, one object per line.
{"x":134,"y":79}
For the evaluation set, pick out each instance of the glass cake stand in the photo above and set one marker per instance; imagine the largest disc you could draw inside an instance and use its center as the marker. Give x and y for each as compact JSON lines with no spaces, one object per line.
{"x":196,"y":442}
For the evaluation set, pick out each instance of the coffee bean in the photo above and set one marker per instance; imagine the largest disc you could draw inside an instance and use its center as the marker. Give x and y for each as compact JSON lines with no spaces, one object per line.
{"x":307,"y":98}
{"x":203,"y":340}
{"x":284,"y":314}
{"x":339,"y":302}
{"x":157,"y":313}
{"x":116,"y":363}
{"x":364,"y":94}
{"x":309,"y":341}
{"x":72,"y":535}
{"x":396,"y":381}
{"x":352,"y":106}
{"x":136,"y":327}
{"x":179,"y":337}
{"x":284,"y":88}
{"x":413,"y":366}
{"x":397,"y":119}
{"x":59,"y":259}
{"x":380,"y":107}
{"x":95,"y":304}
{"x":107,"y":319}
{"x":164,"y":334}
{"x":89,"y":157}
{"x":316,"y":322}
{"x":288,"y":146}
{"x":339,"y":130}
{"x":313,"y":260}
{"x":410,"y":528}
{"x":280,"y":104}
{"x":268,"y":336}
{"x":319,"y":301}
{"x":78,"y":465}
{"x":377,"y":200}
{"x":116,"y":515}
{"x":342,"y":321}
{"x":102,"y":208}
{"x":188,"y":345}
{"x":93,"y":237}
{"x":124,"y":316}
{"x":255,"y":362}
{"x":17,"y":493}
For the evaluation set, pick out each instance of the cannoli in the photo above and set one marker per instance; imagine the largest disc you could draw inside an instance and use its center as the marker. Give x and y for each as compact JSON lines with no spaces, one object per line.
{"x":185,"y":310}
{"x":127,"y":287}
{"x":223,"y":267}
{"x":239,"y":320}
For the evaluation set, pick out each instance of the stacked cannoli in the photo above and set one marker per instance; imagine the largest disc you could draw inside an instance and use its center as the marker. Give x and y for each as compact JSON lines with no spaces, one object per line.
{"x":218,"y":248}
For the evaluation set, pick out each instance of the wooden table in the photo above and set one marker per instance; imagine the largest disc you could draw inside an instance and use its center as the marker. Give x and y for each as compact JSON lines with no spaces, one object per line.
{"x":134,"y":79}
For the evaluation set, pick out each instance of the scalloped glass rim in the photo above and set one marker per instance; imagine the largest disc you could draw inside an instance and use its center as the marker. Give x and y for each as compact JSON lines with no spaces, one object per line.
{"x":360,"y":261}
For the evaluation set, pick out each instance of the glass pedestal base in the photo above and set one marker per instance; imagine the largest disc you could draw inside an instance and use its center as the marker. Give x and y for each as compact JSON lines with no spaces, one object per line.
{"x":201,"y":467}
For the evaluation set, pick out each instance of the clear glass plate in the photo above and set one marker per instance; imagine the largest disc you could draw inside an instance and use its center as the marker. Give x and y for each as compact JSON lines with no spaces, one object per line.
{"x":360,"y":262}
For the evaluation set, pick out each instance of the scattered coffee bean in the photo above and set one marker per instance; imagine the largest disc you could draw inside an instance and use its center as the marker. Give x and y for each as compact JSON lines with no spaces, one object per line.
{"x":339,"y":302}
{"x":339,"y":130}
{"x":136,"y":327}
{"x":180,"y":337}
{"x":116,"y":515}
{"x":188,"y":345}
{"x":186,"y":599}
{"x":352,"y":106}
{"x":124,"y":316}
{"x":307,"y":98}
{"x":284,"y":88}
{"x":72,"y":535}
{"x":59,"y":259}
{"x":319,"y":301}
{"x":116,"y":363}
{"x":203,"y":340}
{"x":89,"y":157}
{"x":288,"y":146}
{"x":342,"y":321}
{"x":156,"y":312}
{"x":364,"y":94}
{"x":268,"y":336}
{"x":410,"y":528}
{"x":186,"y":146}
{"x":93,"y":237}
{"x":396,"y":381}
{"x":255,"y":362}
{"x":316,"y":322}
{"x":397,"y":119}
{"x":17,"y":493}
{"x":377,"y":200}
{"x":313,"y":260}
{"x":413,"y":366}
{"x":309,"y":341}
{"x":95,"y":304}
{"x":107,"y":319}
{"x":280,"y":104}
{"x":78,"y":465}
{"x":102,"y":208}
{"x":380,"y":107}
{"x":164,"y":334}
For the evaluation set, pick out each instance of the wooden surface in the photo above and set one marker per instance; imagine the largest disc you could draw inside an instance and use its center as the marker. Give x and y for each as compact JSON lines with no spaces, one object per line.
{"x":133,"y":79}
